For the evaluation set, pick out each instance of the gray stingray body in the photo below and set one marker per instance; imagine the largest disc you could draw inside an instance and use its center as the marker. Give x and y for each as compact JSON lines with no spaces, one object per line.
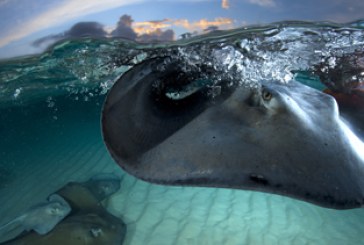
{"x":41,"y":218}
{"x":286,"y":139}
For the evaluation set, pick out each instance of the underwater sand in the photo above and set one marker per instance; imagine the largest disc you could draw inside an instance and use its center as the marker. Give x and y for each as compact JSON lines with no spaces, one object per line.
{"x":65,"y":145}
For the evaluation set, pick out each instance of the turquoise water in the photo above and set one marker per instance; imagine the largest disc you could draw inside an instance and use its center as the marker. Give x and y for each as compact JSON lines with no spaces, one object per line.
{"x":50,"y":135}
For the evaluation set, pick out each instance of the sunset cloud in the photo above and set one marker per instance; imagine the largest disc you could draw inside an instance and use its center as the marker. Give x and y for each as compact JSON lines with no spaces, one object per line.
{"x":203,"y":24}
{"x":148,"y":27}
{"x":225,"y":4}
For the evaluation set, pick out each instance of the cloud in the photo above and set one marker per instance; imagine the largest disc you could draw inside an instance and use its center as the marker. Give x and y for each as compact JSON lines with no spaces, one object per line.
{"x":153,"y":30}
{"x":145,"y":31}
{"x":203,"y":24}
{"x":80,"y":29}
{"x":225,"y":4}
{"x":157,"y":36}
{"x":83,"y":29}
{"x":148,"y":31}
{"x":148,"y":27}
{"x":64,"y":12}
{"x":153,"y":27}
{"x":263,"y":3}
{"x":123,"y":28}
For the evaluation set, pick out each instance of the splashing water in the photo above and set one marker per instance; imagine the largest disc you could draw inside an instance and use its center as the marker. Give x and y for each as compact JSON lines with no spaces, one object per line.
{"x":86,"y":68}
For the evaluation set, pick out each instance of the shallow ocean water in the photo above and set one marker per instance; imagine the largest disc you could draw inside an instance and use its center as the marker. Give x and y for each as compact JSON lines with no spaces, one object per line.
{"x":50,"y":135}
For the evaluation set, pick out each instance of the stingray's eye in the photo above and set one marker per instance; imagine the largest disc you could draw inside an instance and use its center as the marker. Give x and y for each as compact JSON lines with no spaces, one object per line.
{"x":266,"y":95}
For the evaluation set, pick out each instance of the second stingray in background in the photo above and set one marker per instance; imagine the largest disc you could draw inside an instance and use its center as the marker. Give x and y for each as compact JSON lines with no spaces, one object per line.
{"x":88,"y":222}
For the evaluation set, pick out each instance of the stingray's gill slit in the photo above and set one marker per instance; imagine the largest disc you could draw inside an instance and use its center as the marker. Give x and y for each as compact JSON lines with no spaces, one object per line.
{"x":285,"y":139}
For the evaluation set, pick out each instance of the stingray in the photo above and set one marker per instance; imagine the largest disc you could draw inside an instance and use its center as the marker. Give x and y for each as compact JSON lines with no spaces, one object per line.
{"x":103,"y":185}
{"x":94,"y":228}
{"x":88,"y":223}
{"x":286,"y":139}
{"x":90,"y":194}
{"x":41,"y":218}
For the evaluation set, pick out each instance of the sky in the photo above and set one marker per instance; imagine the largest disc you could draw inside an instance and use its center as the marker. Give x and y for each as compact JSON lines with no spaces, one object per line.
{"x":28,"y":26}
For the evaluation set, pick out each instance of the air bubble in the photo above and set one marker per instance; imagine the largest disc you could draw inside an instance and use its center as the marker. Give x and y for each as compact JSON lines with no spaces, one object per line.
{"x":17,"y":92}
